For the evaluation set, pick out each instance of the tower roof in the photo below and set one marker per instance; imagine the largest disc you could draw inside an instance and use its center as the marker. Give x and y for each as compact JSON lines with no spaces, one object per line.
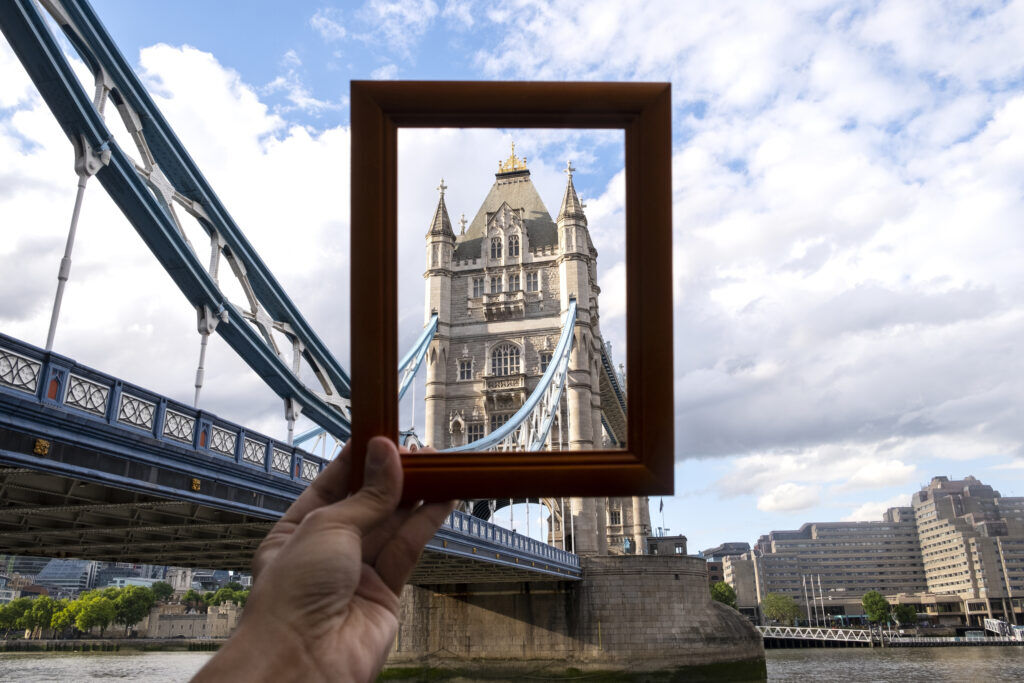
{"x":441,"y":225}
{"x":512,"y":185}
{"x":571,"y":206}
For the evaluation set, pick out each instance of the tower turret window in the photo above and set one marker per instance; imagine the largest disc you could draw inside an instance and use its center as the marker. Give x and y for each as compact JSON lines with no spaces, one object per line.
{"x":513,"y":245}
{"x":496,"y":284}
{"x":513,"y":283}
{"x":505,"y":360}
{"x":532,"y":281}
{"x":495,"y":247}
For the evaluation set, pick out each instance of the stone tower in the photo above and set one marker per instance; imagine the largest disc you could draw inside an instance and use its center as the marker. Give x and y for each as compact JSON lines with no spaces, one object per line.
{"x":501,"y":288}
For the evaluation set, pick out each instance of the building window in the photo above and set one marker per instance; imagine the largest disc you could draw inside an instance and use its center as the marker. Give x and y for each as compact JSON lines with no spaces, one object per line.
{"x":654,"y":549}
{"x":513,"y":283}
{"x":614,"y":517}
{"x":679,"y":548}
{"x":505,"y":360}
{"x":495,"y":247}
{"x":545,"y":360}
{"x":465,"y":370}
{"x":513,"y":245}
{"x":474,"y":432}
{"x":478,"y":287}
{"x":499,"y":419}
{"x":495,"y":284}
{"x":532,"y":281}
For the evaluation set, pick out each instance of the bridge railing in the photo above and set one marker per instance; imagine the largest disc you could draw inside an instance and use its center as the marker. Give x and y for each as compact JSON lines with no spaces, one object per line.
{"x":60,"y":383}
{"x":476,"y":527}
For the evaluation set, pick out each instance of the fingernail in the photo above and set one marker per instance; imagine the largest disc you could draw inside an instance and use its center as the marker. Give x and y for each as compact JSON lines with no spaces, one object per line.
{"x":377,"y":452}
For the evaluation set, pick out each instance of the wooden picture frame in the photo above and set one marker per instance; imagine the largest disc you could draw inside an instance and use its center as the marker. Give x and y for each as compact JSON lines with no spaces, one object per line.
{"x":643,"y":112}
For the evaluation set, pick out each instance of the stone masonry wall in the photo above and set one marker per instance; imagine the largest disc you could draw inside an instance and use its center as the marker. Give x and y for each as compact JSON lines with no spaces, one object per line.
{"x":630,"y":613}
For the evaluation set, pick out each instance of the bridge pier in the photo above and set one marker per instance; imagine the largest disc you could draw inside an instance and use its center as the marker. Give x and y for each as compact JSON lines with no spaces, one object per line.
{"x":628,"y":614}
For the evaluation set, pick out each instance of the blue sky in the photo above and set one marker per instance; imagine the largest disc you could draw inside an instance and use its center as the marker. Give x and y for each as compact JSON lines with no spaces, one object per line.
{"x":848,"y":184}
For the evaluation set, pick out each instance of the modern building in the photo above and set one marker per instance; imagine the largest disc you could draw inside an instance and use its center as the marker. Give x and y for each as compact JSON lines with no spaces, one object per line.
{"x":123,"y":581}
{"x":500,"y":290}
{"x":972,"y":544}
{"x":720,"y":552}
{"x":72,"y":576}
{"x":738,"y":572}
{"x":841,"y":559}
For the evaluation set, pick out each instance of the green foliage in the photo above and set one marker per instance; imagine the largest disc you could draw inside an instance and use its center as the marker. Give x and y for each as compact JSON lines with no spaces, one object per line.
{"x":97,"y":610}
{"x":162,"y":591}
{"x":227,"y":594}
{"x":875,"y":606}
{"x":905,"y":615}
{"x":781,"y":608}
{"x":132,"y":604}
{"x":724,"y":593}
{"x":64,"y":618}
{"x":193,"y":600}
{"x":12,"y":614}
{"x":40,"y":614}
{"x":234,"y":585}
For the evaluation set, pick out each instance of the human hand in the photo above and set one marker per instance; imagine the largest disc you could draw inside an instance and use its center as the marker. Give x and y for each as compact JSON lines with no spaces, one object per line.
{"x":327,"y":578}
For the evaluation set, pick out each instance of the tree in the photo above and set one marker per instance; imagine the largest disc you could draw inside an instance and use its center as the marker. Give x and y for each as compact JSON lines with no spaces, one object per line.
{"x":234,"y":585}
{"x":875,"y":606}
{"x":162,"y":591}
{"x":782,"y":608}
{"x":64,"y":618}
{"x":97,"y":610}
{"x":131,"y":605}
{"x":40,"y":614}
{"x":906,"y":615}
{"x":724,"y":593}
{"x":193,"y":600}
{"x":12,"y":613}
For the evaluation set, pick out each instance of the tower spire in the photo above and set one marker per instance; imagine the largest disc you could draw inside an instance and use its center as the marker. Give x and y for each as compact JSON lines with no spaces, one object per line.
{"x":441,"y":225}
{"x":571,"y":206}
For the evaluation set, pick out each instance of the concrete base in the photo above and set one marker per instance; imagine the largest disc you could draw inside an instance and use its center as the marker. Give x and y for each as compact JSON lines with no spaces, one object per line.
{"x":637,"y":614}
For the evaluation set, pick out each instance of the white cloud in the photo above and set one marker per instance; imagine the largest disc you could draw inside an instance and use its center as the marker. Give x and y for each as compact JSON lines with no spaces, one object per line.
{"x":789,"y":498}
{"x":872,"y":511}
{"x":398,"y":24}
{"x":327,"y":22}
{"x":385,"y":73}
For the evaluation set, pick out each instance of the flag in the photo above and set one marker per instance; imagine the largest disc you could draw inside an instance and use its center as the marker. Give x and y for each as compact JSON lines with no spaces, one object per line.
{"x":661,"y":507}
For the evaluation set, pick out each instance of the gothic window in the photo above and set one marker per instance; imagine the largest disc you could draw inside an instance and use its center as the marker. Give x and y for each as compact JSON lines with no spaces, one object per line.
{"x":474,"y":432}
{"x":513,"y":283}
{"x":498,"y":419}
{"x":465,"y":370}
{"x":545,"y":360}
{"x":495,"y":247}
{"x":532,"y":281}
{"x":478,"y":287}
{"x":614,"y":517}
{"x":495,"y":284}
{"x":505,"y":360}
{"x":513,"y":245}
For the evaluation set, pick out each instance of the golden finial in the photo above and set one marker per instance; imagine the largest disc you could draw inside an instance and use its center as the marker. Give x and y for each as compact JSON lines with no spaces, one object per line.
{"x":513,"y":163}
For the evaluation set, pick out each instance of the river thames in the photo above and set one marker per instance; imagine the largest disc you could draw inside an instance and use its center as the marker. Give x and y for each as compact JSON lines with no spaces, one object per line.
{"x":861,"y":665}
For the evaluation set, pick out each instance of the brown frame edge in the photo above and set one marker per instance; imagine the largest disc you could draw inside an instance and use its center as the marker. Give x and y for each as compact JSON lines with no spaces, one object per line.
{"x":643,"y":111}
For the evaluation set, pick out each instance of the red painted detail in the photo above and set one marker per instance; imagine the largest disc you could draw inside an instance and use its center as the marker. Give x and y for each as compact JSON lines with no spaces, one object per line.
{"x":202,"y":439}
{"x":51,"y":391}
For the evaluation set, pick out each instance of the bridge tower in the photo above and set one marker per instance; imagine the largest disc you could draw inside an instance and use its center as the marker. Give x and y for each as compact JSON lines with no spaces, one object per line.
{"x":501,"y":288}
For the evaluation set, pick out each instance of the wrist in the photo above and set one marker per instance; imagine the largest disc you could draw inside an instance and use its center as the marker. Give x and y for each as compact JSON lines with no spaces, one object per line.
{"x":261,"y":651}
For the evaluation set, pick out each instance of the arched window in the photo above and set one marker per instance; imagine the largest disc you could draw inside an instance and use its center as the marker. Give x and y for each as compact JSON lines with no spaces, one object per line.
{"x":495,"y":247}
{"x":513,"y":245}
{"x":505,"y":360}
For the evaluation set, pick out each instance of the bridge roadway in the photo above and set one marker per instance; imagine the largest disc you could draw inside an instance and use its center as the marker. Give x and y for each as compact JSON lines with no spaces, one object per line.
{"x":94,"y":467}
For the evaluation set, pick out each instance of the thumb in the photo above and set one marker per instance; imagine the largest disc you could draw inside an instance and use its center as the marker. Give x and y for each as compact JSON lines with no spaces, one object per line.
{"x":376,"y":500}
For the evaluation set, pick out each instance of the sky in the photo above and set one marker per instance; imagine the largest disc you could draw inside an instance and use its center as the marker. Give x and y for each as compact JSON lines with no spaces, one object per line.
{"x":848,"y":190}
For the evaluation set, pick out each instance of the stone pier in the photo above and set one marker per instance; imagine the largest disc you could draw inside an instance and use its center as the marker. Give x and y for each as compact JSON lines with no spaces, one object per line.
{"x":631,"y":614}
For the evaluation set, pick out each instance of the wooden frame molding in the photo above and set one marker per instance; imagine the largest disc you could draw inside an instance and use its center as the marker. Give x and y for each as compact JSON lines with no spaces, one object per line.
{"x":643,"y":111}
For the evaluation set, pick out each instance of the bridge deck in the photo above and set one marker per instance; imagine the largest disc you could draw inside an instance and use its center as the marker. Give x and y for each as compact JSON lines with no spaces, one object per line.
{"x":80,"y":478}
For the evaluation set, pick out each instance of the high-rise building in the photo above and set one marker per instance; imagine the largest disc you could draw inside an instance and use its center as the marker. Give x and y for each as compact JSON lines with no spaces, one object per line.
{"x":500,"y":290}
{"x":72,"y":576}
{"x":972,"y":544}
{"x":844,"y":558}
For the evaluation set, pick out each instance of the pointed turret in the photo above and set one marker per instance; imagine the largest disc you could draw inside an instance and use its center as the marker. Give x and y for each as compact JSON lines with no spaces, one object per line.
{"x":441,"y":226}
{"x":572,"y":208}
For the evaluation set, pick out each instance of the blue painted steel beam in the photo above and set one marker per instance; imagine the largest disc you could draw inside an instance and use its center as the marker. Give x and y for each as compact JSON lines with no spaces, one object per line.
{"x":45,"y":63}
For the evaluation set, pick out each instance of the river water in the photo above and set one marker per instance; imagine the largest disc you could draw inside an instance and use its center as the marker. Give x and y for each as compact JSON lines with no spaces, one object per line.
{"x":981,"y":664}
